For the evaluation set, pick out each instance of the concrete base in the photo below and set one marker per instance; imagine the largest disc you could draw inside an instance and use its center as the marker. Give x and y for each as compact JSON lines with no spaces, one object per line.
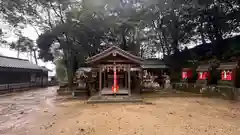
{"x":80,"y":93}
{"x":108,"y":91}
{"x":114,"y":99}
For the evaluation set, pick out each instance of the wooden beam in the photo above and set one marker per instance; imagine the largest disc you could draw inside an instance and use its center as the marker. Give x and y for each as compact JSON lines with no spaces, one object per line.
{"x":126,"y":79}
{"x":104,"y":79}
{"x":100,"y":81}
{"x":129,"y":80}
{"x":118,"y":61}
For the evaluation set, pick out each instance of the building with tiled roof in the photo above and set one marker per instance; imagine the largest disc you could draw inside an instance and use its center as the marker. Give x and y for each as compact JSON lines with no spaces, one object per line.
{"x":15,"y":72}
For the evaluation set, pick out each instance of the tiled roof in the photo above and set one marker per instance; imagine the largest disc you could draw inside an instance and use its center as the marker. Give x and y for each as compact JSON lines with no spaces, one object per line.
{"x":114,"y":49}
{"x":154,"y":64}
{"x":202,"y":68}
{"x":228,"y":66}
{"x":9,"y":62}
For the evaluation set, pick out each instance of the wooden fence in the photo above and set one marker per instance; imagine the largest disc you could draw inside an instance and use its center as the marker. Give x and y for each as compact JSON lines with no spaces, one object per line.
{"x":14,"y":87}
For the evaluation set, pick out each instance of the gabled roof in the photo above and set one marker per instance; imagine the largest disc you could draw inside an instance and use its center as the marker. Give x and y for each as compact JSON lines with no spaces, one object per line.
{"x":228,"y":66}
{"x":118,"y":51}
{"x":9,"y":62}
{"x":45,"y":69}
{"x":202,"y":68}
{"x":154,"y":64}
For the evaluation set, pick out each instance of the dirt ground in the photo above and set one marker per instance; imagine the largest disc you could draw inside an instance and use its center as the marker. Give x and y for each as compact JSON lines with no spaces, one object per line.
{"x":41,"y":112}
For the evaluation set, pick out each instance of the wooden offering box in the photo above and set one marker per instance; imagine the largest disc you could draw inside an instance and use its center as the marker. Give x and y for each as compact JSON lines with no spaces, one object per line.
{"x":230,"y":74}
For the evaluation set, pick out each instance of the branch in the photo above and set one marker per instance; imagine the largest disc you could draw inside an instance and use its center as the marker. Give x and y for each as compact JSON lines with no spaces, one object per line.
{"x":35,"y":30}
{"x":60,"y":15}
{"x":54,"y":9}
{"x":49,"y":19}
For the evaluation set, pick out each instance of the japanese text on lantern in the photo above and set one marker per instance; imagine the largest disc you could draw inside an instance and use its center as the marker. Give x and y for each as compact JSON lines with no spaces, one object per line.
{"x":226,"y":75}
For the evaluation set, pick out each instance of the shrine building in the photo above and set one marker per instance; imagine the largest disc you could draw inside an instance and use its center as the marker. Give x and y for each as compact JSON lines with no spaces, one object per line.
{"x":118,"y":71}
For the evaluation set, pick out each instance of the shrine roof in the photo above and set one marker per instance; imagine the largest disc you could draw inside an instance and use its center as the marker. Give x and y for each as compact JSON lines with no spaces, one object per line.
{"x":118,"y":51}
{"x":228,"y":65}
{"x":185,"y":69}
{"x":154,"y":64}
{"x":9,"y":62}
{"x":206,"y":67}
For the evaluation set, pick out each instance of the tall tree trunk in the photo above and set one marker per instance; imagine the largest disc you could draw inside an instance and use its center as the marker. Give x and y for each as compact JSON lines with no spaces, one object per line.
{"x":35,"y":56}
{"x":30,"y":53}
{"x":137,"y":44}
{"x":18,"y":53}
{"x":203,"y":38}
{"x":124,"y":41}
{"x":162,"y":44}
{"x":202,"y":35}
{"x":18,"y":48}
{"x":69,"y":59}
{"x":201,"y":30}
{"x":175,"y":47}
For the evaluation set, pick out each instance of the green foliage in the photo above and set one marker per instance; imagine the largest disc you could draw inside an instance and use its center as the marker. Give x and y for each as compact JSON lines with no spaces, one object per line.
{"x":23,"y":44}
{"x":74,"y":30}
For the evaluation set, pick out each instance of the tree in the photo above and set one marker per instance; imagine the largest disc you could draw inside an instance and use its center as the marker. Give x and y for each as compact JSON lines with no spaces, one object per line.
{"x":219,"y":20}
{"x":74,"y":30}
{"x":60,"y":70}
{"x":77,"y":36}
{"x":24,"y":44}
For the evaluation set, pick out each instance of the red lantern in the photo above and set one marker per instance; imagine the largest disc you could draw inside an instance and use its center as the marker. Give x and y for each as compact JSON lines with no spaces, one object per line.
{"x":226,"y":75}
{"x":229,"y":76}
{"x":115,"y":86}
{"x":186,"y":74}
{"x":203,"y":75}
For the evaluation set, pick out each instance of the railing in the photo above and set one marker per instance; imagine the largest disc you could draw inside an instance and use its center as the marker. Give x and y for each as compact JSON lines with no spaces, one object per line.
{"x":5,"y":88}
{"x":228,"y":92}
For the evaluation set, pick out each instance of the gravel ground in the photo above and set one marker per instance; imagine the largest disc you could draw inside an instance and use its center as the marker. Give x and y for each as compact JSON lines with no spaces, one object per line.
{"x":41,"y":112}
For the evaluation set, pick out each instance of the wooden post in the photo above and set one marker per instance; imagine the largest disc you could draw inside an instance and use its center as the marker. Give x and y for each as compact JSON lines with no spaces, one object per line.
{"x":100,"y":81}
{"x":104,"y":79}
{"x":141,"y":80}
{"x":126,"y":79}
{"x":129,"y":80}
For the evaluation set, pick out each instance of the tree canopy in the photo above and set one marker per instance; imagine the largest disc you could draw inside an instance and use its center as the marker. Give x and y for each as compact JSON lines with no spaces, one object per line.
{"x":76,"y":29}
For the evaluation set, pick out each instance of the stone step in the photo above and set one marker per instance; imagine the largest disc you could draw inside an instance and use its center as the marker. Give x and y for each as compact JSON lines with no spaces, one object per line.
{"x":114,"y":99}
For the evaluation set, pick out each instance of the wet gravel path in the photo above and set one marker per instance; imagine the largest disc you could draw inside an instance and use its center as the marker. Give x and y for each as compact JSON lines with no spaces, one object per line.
{"x":42,"y":112}
{"x":17,"y":109}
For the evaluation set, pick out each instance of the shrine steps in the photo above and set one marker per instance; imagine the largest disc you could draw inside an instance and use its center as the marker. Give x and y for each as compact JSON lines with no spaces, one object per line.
{"x":108,"y":91}
{"x":114,"y":99}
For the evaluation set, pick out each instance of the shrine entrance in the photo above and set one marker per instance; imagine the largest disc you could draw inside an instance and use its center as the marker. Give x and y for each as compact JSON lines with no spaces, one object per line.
{"x":115,"y":66}
{"x":122,"y":79}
